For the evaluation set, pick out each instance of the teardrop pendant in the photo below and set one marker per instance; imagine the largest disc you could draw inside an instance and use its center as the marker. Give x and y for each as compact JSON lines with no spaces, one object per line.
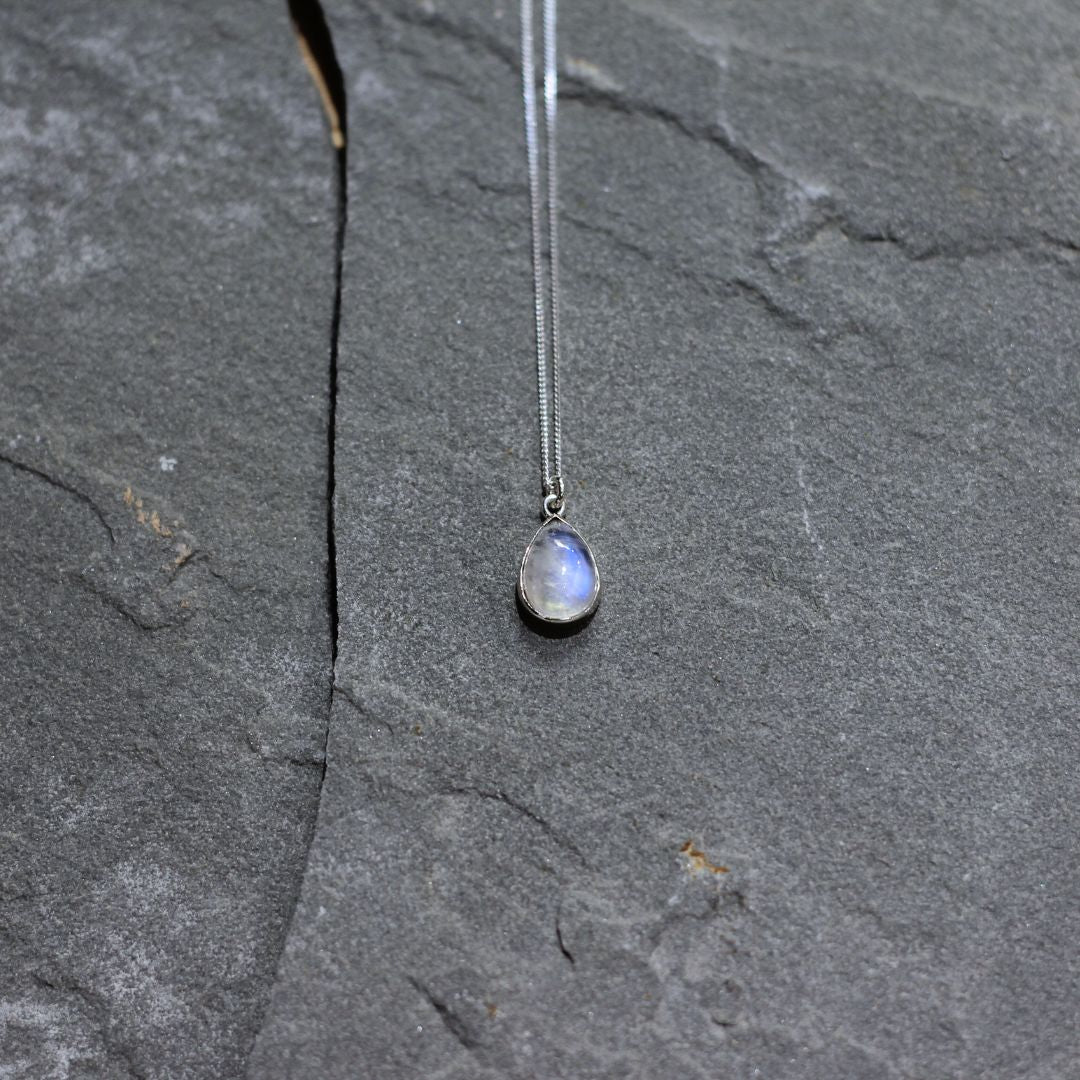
{"x":558,"y":581}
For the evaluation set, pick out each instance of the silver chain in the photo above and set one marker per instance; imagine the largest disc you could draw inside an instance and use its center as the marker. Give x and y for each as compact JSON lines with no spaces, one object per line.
{"x":545,"y":302}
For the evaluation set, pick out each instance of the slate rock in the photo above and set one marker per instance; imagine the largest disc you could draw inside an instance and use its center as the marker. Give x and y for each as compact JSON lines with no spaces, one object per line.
{"x":167,"y":257}
{"x":799,"y":801}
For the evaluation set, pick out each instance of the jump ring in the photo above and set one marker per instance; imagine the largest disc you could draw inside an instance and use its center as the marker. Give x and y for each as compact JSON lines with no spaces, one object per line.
{"x":553,"y":504}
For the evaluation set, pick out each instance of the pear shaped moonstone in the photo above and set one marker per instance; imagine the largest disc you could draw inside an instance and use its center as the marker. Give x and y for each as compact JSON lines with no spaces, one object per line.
{"x":558,"y":580}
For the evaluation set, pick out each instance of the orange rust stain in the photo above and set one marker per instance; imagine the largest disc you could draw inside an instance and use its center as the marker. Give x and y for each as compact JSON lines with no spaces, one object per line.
{"x":697,"y":860}
{"x":145,"y":517}
{"x":155,"y":524}
{"x":492,"y":1010}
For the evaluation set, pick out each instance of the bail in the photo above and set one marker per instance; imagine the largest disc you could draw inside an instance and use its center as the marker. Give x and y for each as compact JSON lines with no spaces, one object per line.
{"x":554,"y":497}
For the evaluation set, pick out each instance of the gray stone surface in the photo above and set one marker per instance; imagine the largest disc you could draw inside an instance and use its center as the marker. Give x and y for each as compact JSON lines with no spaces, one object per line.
{"x":799,"y":803}
{"x":820,"y":276}
{"x":166,"y":256}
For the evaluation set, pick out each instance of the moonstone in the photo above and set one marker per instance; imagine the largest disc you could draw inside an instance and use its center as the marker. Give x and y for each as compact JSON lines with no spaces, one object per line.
{"x":559,"y":581}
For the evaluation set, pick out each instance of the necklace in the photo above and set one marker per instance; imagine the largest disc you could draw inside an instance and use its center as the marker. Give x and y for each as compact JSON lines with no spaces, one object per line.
{"x":558,"y":582}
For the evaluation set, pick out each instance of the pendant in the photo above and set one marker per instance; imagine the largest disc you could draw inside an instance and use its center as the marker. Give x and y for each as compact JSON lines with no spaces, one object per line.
{"x":558,"y":581}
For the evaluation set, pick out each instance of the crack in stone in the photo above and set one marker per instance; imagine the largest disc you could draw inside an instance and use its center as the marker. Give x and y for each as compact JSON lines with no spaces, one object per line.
{"x":61,"y":485}
{"x":346,"y":694}
{"x":758,"y":296}
{"x":472,"y":35}
{"x":250,"y":589}
{"x":711,"y":284}
{"x":715,"y":133}
{"x":560,"y":940}
{"x":149,"y":626}
{"x":316,"y":46}
{"x":1033,"y":247}
{"x":573,"y":87}
{"x":488,"y":187}
{"x":718,"y":905}
{"x":497,"y":795}
{"x":770,"y":180}
{"x":453,"y":1023}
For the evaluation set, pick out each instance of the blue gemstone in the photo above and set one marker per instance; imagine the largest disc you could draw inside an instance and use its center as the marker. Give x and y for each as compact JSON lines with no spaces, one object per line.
{"x":559,"y":581}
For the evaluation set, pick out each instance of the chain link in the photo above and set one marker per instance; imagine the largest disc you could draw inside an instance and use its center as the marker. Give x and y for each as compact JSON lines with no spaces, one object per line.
{"x":544,"y":265}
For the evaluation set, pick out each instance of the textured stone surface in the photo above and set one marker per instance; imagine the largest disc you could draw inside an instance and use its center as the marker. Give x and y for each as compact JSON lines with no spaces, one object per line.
{"x":800,"y":801}
{"x":166,"y":253}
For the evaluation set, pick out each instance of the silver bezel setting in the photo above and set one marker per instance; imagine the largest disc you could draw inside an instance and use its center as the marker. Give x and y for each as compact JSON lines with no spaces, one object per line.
{"x":594,"y":603}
